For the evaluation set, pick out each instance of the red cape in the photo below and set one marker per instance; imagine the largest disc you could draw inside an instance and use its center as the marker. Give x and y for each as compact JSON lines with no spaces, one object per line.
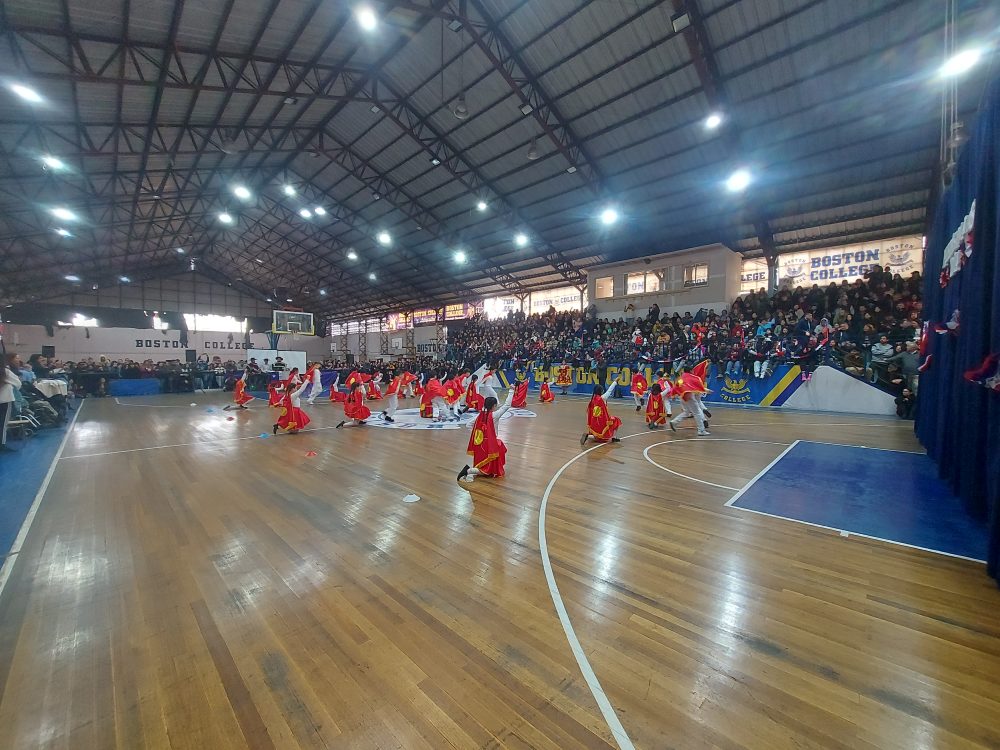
{"x":354,"y":407}
{"x":545,"y":395}
{"x":487,"y":450}
{"x":655,"y":413}
{"x":639,"y":384}
{"x":291,"y":417}
{"x":599,"y":420}
{"x":472,"y":398}
{"x":240,"y":395}
{"x":520,"y":395}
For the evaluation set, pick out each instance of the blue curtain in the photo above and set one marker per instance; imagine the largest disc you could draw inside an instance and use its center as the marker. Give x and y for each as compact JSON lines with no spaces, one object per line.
{"x":958,"y":421}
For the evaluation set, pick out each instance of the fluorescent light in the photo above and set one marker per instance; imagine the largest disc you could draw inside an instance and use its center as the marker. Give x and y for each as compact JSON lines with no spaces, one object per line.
{"x":384,"y":238}
{"x":481,"y":206}
{"x":459,"y":256}
{"x":289,"y":190}
{"x":124,"y":279}
{"x":609,"y":216}
{"x":366,"y":18}
{"x":351,"y":255}
{"x":28,"y":94}
{"x":371,"y":276}
{"x":738,"y":181}
{"x":64,"y":213}
{"x":288,"y":299}
{"x":52,"y":162}
{"x":71,"y":277}
{"x":520,"y":239}
{"x":63,"y":232}
{"x":319,"y":211}
{"x":180,"y":251}
{"x":305,"y":213}
{"x":225,"y":218}
{"x":960,"y":62}
{"x":270,"y":300}
{"x":241,"y":192}
{"x":713,"y":121}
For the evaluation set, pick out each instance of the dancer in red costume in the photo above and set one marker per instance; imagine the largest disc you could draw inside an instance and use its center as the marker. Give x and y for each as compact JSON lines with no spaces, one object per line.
{"x":487,"y":450}
{"x":315,"y":381}
{"x":545,"y":394}
{"x":373,"y":392}
{"x":600,"y":424}
{"x":473,"y":401}
{"x":354,"y":407}
{"x":564,"y":378}
{"x":665,"y":387}
{"x":275,"y":393}
{"x":690,"y":387}
{"x":520,"y":394}
{"x":656,"y":415}
{"x":240,"y":396}
{"x":392,"y":397}
{"x":292,"y":418}
{"x":336,"y":397}
{"x":638,"y":388}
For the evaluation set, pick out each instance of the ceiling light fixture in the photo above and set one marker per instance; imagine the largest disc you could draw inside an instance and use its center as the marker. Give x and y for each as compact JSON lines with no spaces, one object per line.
{"x":533,"y":149}
{"x":63,"y":232}
{"x":609,"y":216}
{"x":713,"y":121}
{"x":242,"y":193}
{"x":26,"y":93}
{"x":305,"y":213}
{"x":384,"y":238}
{"x":180,"y":251}
{"x":371,"y":276}
{"x":319,"y":211}
{"x":571,"y":169}
{"x":124,"y":279}
{"x":960,"y":63}
{"x":289,"y":190}
{"x":526,"y":109}
{"x":351,"y":255}
{"x":71,"y":277}
{"x":366,"y":18}
{"x":482,"y":206}
{"x":738,"y":181}
{"x":225,"y":218}
{"x":52,"y":162}
{"x":520,"y":239}
{"x":322,"y":292}
{"x":435,"y":161}
{"x":459,"y":256}
{"x":64,"y":213}
{"x":461,"y":110}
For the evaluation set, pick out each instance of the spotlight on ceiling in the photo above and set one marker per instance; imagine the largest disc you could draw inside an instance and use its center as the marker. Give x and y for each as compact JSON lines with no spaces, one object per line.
{"x":384,"y":238}
{"x":180,"y":251}
{"x":713,"y":121}
{"x":225,"y":218}
{"x":435,"y":161}
{"x":288,"y":299}
{"x":532,"y":149}
{"x":366,"y":18}
{"x":738,"y":181}
{"x":376,"y":196}
{"x":482,"y":206}
{"x":461,"y":110}
{"x":680,"y":22}
{"x":371,"y":276}
{"x":305,"y":213}
{"x":571,"y":169}
{"x":242,"y":192}
{"x":124,"y":279}
{"x":351,"y":255}
{"x":26,"y":93}
{"x":270,"y":300}
{"x":459,"y":256}
{"x":52,"y":162}
{"x":319,"y":211}
{"x":609,"y":216}
{"x":520,"y":239}
{"x":322,"y":292}
{"x":291,"y":100}
{"x":64,"y":213}
{"x":63,"y":232}
{"x":288,"y":190}
{"x":526,"y":109}
{"x":960,"y":63}
{"x":71,"y":277}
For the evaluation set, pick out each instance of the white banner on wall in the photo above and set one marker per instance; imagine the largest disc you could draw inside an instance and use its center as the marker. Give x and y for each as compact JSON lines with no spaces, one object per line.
{"x":903,"y":255}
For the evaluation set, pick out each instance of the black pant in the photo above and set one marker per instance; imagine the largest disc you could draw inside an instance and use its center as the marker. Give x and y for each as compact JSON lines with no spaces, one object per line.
{"x":6,"y":410}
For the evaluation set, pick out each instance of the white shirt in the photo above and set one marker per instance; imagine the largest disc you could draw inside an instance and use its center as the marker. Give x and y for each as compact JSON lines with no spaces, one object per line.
{"x":7,"y":385}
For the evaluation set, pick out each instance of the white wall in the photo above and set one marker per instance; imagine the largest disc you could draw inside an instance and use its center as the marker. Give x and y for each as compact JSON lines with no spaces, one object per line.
{"x":424,"y":338}
{"x":72,"y":344}
{"x":722,"y":288}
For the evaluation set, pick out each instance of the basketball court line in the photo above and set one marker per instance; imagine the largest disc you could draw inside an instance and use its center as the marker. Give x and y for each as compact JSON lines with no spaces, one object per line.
{"x":645,"y":454}
{"x":760,"y":474}
{"x":11,"y":559}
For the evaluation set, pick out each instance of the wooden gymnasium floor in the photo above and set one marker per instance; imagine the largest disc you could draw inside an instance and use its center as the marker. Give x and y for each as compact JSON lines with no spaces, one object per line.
{"x":184,"y":588}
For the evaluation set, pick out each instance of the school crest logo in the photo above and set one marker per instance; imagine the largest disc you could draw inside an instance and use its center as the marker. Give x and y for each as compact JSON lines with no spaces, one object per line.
{"x":735,"y":390}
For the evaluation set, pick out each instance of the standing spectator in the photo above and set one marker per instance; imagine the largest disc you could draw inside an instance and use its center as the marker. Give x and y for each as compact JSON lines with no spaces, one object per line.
{"x":9,"y":382}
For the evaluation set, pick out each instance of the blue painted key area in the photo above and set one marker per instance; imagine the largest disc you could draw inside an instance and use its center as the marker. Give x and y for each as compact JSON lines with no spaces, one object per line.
{"x":891,"y":495}
{"x":21,"y":475}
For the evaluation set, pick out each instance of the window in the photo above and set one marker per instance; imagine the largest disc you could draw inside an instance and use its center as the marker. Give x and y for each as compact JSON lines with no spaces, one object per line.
{"x":219,"y":323}
{"x":604,"y":287}
{"x":498,"y":307}
{"x":696,"y":275}
{"x":79,"y":321}
{"x":642,"y":283}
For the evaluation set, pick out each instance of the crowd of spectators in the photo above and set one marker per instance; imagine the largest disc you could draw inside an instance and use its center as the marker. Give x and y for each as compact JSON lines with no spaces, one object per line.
{"x":868,"y":328}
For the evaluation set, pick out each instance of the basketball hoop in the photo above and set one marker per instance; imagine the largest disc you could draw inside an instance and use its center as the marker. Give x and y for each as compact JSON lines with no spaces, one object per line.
{"x":295,"y":329}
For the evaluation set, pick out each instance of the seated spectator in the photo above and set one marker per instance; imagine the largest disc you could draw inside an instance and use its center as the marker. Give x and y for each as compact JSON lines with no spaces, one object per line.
{"x":906,"y":404}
